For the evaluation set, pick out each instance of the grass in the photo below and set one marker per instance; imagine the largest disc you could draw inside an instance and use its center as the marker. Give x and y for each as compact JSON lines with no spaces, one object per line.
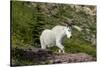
{"x":77,"y":45}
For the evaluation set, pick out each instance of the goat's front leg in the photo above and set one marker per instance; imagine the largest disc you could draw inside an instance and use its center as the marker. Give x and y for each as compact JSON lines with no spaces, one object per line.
{"x":61,"y":51}
{"x":59,"y":45}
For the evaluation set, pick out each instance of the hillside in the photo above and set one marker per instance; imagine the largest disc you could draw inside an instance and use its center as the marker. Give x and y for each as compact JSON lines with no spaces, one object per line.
{"x":29,"y":19}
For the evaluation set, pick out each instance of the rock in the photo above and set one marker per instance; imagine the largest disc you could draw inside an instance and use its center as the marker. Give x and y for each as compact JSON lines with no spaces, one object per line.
{"x":36,"y":54}
{"x":72,"y":58}
{"x":44,"y":56}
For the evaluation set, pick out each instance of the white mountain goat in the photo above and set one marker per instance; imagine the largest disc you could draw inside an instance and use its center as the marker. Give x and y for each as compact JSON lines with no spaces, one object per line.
{"x":55,"y":36}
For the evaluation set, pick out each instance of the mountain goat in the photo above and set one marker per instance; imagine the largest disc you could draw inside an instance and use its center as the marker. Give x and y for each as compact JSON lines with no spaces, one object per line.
{"x":54,"y":37}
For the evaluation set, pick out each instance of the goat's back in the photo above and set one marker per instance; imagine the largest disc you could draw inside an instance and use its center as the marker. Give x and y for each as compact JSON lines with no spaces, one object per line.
{"x":58,"y":30}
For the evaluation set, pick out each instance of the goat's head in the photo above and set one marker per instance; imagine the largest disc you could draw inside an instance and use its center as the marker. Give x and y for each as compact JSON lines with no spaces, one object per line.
{"x":68,"y":31}
{"x":69,"y":25}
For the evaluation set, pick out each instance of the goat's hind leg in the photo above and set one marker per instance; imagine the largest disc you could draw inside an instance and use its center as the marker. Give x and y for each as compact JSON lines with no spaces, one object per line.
{"x":43,"y":45}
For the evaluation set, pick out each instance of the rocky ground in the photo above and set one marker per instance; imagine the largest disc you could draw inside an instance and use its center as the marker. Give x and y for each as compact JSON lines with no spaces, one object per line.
{"x":39,"y":56}
{"x":72,"y":58}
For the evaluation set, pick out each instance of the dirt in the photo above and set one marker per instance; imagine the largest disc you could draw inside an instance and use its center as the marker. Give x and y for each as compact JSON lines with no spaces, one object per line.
{"x":72,"y":58}
{"x":40,"y":56}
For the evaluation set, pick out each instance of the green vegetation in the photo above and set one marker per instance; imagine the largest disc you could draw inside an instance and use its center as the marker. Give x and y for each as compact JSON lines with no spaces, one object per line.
{"x":75,"y":46}
{"x":30,"y":19}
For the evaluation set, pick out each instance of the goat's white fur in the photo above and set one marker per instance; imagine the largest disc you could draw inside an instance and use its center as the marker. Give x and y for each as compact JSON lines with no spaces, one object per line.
{"x":54,"y":37}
